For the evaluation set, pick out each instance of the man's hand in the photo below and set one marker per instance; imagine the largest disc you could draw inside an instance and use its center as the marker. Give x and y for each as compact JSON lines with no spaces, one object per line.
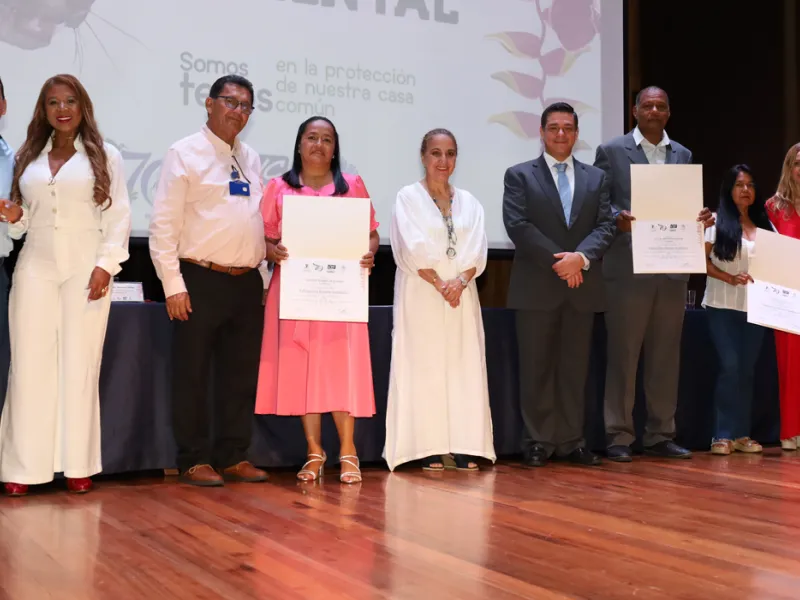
{"x":706,"y":217}
{"x":575,"y":280}
{"x":10,"y":212}
{"x":179,"y":306}
{"x":98,"y":283}
{"x":624,"y":219}
{"x":569,"y":264}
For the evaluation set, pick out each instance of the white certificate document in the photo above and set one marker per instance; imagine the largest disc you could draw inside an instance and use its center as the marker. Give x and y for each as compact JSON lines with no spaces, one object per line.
{"x":324,"y":290}
{"x":665,"y":201}
{"x":668,"y":246}
{"x":774,"y":306}
{"x":774,"y":299}
{"x":322,"y":280}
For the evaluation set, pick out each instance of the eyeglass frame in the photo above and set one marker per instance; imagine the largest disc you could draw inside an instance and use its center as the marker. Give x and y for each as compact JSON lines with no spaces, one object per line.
{"x":238,"y":104}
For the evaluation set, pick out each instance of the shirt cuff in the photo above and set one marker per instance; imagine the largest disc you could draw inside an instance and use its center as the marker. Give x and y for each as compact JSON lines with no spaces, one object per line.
{"x":586,"y":262}
{"x":174,"y":286}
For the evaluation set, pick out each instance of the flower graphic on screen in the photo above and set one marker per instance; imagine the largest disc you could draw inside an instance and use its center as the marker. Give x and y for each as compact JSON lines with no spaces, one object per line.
{"x":573,"y":26}
{"x":32,"y":24}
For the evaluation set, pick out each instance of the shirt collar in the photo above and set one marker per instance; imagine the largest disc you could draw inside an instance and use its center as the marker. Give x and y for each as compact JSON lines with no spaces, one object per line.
{"x":551,"y":162}
{"x":221,"y":145}
{"x":78,"y":144}
{"x":5,"y":149}
{"x":639,"y":139}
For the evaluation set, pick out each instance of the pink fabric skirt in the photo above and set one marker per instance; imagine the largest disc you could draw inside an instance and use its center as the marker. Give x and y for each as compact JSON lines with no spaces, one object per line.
{"x":312,"y":366}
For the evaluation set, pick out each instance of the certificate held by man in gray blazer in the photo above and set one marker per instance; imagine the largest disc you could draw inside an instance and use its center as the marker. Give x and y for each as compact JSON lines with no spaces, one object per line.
{"x":643,"y":310}
{"x":557,"y":213}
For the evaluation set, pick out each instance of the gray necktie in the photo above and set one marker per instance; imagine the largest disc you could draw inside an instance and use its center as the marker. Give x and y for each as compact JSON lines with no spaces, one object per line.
{"x":563,"y":190}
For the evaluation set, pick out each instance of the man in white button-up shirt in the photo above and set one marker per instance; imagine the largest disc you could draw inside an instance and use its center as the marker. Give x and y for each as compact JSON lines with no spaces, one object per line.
{"x":207,"y":242}
{"x":642,"y":309}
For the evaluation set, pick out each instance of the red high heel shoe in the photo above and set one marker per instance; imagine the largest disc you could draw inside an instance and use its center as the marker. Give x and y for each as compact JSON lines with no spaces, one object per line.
{"x":16,"y":489}
{"x":80,"y":485}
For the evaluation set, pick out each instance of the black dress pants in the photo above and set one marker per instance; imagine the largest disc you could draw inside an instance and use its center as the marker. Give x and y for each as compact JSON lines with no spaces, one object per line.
{"x":224,"y":331}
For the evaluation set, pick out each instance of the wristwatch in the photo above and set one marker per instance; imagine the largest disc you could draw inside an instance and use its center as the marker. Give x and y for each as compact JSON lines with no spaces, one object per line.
{"x":463,"y":280}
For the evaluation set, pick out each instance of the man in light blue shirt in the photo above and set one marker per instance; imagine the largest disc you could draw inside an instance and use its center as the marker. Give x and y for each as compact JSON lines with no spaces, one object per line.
{"x":6,"y":245}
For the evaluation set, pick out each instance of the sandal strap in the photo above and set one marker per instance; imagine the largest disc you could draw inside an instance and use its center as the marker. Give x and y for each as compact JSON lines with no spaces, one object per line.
{"x":354,"y":475}
{"x":312,"y":458}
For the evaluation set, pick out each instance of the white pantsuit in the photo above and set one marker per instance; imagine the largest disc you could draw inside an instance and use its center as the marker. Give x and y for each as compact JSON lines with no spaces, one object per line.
{"x":438,"y":388}
{"x":51,"y":418}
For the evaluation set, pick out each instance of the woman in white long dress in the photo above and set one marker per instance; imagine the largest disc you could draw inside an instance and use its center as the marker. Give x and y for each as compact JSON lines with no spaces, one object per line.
{"x":69,"y":196}
{"x":438,"y":390}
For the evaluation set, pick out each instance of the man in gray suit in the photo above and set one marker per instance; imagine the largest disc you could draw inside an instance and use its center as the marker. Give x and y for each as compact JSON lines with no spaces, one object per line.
{"x":557,"y":213}
{"x":642,"y":309}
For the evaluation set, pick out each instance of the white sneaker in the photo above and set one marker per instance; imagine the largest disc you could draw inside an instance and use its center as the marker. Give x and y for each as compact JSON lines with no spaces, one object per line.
{"x":790,"y":444}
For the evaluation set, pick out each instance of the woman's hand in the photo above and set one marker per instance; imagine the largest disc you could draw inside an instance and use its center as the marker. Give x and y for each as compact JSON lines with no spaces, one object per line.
{"x":279,"y":253}
{"x":368,"y":261}
{"x":10,"y":212}
{"x":741,"y":279}
{"x":98,"y":283}
{"x":452,"y":291}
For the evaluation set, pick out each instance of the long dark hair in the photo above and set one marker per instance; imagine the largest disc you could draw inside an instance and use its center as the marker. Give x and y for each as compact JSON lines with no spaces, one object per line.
{"x":40,"y":130}
{"x":292,"y":176}
{"x":729,"y":227}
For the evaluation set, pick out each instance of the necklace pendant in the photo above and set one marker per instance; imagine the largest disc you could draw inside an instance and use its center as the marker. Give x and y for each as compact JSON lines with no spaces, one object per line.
{"x":451,"y":253}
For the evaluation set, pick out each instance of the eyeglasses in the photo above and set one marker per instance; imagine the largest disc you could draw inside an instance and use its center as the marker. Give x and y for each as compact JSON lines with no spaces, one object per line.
{"x":232,"y":103}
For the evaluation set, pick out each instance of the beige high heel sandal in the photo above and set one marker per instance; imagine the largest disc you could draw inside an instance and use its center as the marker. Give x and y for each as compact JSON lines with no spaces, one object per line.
{"x":312,"y":458}
{"x":354,"y":476}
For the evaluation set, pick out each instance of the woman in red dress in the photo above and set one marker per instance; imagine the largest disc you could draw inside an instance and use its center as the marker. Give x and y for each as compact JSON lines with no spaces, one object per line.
{"x":783,"y":209}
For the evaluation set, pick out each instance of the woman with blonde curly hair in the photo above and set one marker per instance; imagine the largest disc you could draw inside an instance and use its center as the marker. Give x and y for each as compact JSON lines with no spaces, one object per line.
{"x":69,"y":197}
{"x":784,"y":212}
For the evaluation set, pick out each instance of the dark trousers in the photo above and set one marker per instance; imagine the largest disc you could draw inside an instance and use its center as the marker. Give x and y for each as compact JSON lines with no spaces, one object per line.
{"x":224,"y":330}
{"x":554,"y":349}
{"x":738,"y":345}
{"x":644,"y":313}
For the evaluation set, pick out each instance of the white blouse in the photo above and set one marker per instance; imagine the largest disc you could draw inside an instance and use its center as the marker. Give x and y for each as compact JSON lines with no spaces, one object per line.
{"x":66,"y":202}
{"x":724,"y":295}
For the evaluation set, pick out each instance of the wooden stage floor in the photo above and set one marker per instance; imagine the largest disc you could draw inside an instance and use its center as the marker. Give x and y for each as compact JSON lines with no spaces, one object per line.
{"x":711,"y":527}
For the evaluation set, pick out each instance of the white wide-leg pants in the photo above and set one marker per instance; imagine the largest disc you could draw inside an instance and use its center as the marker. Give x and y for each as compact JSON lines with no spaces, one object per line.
{"x":51,"y":418}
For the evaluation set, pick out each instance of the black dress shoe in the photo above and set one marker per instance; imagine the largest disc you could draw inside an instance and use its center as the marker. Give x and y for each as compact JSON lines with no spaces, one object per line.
{"x":667,"y":449}
{"x":582,"y":456}
{"x":619,"y":453}
{"x":535,"y":456}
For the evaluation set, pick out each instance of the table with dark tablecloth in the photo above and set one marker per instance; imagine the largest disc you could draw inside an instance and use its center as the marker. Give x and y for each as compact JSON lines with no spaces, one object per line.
{"x":135,"y":392}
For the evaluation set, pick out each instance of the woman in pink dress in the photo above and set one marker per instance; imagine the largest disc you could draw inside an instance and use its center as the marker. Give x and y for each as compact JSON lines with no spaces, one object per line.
{"x":314,"y":367}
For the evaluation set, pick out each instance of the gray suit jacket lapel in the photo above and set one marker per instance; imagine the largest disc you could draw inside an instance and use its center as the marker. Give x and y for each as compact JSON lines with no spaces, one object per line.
{"x":579,"y":194}
{"x":672,"y":155}
{"x":635,"y":153}
{"x":542,"y":174}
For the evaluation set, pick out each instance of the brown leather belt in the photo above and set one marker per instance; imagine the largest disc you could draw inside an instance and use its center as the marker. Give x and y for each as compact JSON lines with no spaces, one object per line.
{"x":218,"y":268}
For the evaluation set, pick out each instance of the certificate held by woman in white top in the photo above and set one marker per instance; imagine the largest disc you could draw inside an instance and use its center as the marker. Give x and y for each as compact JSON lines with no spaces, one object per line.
{"x":71,"y":199}
{"x":438,"y":391}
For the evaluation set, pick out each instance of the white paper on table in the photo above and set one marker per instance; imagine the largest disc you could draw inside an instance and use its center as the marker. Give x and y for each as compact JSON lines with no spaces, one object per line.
{"x":324,"y":290}
{"x":774,"y":299}
{"x":325,"y":236}
{"x":774,"y":306}
{"x":127,"y":291}
{"x":668,"y":246}
{"x":666,"y":192}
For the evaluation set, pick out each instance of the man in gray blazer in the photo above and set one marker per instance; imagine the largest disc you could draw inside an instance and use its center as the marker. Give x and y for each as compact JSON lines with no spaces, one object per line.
{"x":557,"y":213}
{"x":642,"y":309}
